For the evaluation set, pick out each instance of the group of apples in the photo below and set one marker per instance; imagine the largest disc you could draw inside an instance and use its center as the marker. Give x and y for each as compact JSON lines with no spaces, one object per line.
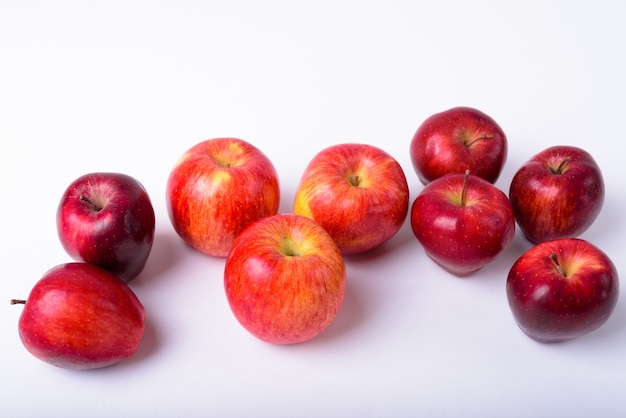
{"x":284,"y":273}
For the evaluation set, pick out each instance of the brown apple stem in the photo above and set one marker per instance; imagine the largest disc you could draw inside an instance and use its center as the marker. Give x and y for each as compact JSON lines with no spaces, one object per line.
{"x":464,"y":191}
{"x":482,"y":136}
{"x":17,"y":302}
{"x":353,"y":179}
{"x":559,"y":269}
{"x":559,"y":169}
{"x":93,"y":205}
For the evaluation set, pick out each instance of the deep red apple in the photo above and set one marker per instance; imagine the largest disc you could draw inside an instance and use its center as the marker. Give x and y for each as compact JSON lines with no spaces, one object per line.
{"x":463,"y":222}
{"x":562,"y":289}
{"x":107,"y":219}
{"x":558,"y":193}
{"x":285,"y":279}
{"x":357,"y":192}
{"x":216,"y":189}
{"x":458,"y":139}
{"x":80,"y":316}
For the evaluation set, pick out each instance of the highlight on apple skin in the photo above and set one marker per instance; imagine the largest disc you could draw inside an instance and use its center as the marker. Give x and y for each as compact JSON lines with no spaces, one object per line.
{"x":107,"y":219}
{"x":357,"y":192}
{"x":458,"y":139}
{"x":217,"y":188}
{"x":463,"y":222}
{"x":80,"y":316}
{"x":557,"y":193}
{"x":285,"y":279}
{"x":562,"y":289}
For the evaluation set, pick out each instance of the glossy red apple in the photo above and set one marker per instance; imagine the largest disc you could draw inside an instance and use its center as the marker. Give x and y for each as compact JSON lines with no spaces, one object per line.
{"x":562,"y":289}
{"x":107,"y":219}
{"x":357,"y":192}
{"x":80,"y":316}
{"x":456,"y":140}
{"x":558,"y":193}
{"x":463,"y":222}
{"x":285,"y":279}
{"x":216,"y":189}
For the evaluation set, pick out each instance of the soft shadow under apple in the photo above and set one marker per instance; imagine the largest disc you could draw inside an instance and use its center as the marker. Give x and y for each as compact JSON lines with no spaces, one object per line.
{"x":167,"y":252}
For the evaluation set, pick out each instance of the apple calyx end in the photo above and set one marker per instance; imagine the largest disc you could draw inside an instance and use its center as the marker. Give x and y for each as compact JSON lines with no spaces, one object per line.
{"x":18,"y":302}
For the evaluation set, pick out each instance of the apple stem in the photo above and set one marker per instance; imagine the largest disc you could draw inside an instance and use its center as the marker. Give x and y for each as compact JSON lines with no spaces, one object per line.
{"x":559,"y":269}
{"x":464,"y":191}
{"x":17,"y":302}
{"x":482,"y":136}
{"x":93,"y":205}
{"x":559,"y":169}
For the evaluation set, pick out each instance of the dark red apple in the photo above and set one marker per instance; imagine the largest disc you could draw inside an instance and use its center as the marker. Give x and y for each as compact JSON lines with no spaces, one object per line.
{"x":357,"y":192}
{"x":558,"y":193}
{"x":463,"y":222}
{"x":285,"y":279}
{"x":80,"y":316}
{"x":456,"y":140}
{"x":562,"y":289}
{"x":216,"y":189}
{"x":107,"y":219}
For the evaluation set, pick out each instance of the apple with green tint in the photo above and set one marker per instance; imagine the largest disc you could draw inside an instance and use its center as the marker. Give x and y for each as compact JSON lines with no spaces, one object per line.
{"x":285,"y":279}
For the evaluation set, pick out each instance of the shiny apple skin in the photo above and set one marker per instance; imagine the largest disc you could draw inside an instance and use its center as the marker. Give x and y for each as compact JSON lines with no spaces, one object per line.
{"x":444,"y":144}
{"x":462,"y":239}
{"x":80,"y":316}
{"x":550,"y":205}
{"x":359,"y":216}
{"x":549,"y":307}
{"x":119,"y":234}
{"x":216,"y":189}
{"x":285,"y":279}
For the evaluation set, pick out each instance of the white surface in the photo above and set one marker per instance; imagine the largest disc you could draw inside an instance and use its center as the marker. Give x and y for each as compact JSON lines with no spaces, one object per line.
{"x":129,"y":86}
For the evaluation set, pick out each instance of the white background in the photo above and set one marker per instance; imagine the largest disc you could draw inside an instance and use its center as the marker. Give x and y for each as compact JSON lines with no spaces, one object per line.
{"x":129,"y":86}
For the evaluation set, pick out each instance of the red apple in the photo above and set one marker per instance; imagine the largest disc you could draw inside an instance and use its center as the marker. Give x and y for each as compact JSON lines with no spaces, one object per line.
{"x":357,"y":192}
{"x":458,"y":139}
{"x":463,"y":222}
{"x":562,"y":289}
{"x":107,"y":219}
{"x":216,"y":189}
{"x":80,"y":316}
{"x":558,"y":193}
{"x":285,"y":279}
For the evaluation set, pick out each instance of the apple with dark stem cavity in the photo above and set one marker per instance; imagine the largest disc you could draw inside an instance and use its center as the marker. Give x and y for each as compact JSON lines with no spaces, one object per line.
{"x":458,"y":139}
{"x":216,"y":189}
{"x":285,"y":279}
{"x":463,"y":222}
{"x":558,"y":193}
{"x":80,"y":316}
{"x":107,"y":219}
{"x":357,"y":192}
{"x":562,"y":289}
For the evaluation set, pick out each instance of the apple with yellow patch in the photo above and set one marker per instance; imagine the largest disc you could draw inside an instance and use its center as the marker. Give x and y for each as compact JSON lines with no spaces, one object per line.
{"x":285,"y":279}
{"x":216,"y":189}
{"x":357,"y":192}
